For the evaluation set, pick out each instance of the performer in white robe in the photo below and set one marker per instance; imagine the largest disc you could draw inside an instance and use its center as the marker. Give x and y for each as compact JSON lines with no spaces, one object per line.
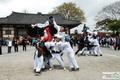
{"x":96,"y":48}
{"x":56,"y":53}
{"x":38,"y":59}
{"x":66,"y":48}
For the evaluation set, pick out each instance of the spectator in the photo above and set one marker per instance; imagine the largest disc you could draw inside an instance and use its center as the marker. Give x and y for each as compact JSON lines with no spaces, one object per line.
{"x":9,"y":44}
{"x":15,"y":44}
{"x":24,"y":43}
{"x":117,"y":45}
{"x":0,"y":46}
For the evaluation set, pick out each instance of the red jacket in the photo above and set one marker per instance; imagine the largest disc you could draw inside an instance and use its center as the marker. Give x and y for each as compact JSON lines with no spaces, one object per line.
{"x":48,"y":34}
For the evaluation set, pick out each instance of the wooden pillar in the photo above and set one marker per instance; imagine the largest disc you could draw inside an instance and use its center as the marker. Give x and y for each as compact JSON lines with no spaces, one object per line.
{"x":1,"y":31}
{"x":15,"y":30}
{"x":68,"y":30}
{"x":27,"y":29}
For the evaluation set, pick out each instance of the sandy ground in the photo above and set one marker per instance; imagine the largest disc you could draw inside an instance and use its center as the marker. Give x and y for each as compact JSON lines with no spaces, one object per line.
{"x":19,"y":66}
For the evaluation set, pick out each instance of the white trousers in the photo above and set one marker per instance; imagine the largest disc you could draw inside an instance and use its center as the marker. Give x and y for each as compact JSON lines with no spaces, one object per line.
{"x":71,"y":58}
{"x":97,"y":50}
{"x":38,"y":62}
{"x":83,"y":50}
{"x":58,"y":58}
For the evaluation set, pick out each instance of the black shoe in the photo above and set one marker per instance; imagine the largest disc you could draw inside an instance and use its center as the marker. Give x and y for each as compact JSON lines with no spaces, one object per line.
{"x":100,"y":54}
{"x":95,"y":55}
{"x":77,"y":69}
{"x":76,"y":53}
{"x":72,"y":69}
{"x":43,"y":69}
{"x":37,"y":73}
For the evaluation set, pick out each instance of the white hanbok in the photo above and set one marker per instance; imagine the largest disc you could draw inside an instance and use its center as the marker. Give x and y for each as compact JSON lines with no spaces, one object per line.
{"x":56,"y":54}
{"x":66,"y":48}
{"x":38,"y":62}
{"x":96,"y":48}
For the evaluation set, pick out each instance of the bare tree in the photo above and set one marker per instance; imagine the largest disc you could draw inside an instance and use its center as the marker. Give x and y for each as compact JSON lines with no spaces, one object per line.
{"x":111,"y":11}
{"x":108,"y":14}
{"x":70,"y":11}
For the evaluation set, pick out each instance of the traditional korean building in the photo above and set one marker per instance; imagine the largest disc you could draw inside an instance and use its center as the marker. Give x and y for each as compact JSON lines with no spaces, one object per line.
{"x":19,"y":24}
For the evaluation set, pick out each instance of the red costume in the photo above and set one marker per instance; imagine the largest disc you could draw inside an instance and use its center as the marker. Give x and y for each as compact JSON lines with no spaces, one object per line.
{"x":49,"y":33}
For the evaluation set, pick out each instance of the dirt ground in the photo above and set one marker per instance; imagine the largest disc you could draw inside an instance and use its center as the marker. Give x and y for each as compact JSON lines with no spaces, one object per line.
{"x":19,"y":66}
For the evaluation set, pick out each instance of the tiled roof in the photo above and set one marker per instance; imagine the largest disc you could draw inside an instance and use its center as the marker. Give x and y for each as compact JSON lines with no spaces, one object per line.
{"x":27,"y":18}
